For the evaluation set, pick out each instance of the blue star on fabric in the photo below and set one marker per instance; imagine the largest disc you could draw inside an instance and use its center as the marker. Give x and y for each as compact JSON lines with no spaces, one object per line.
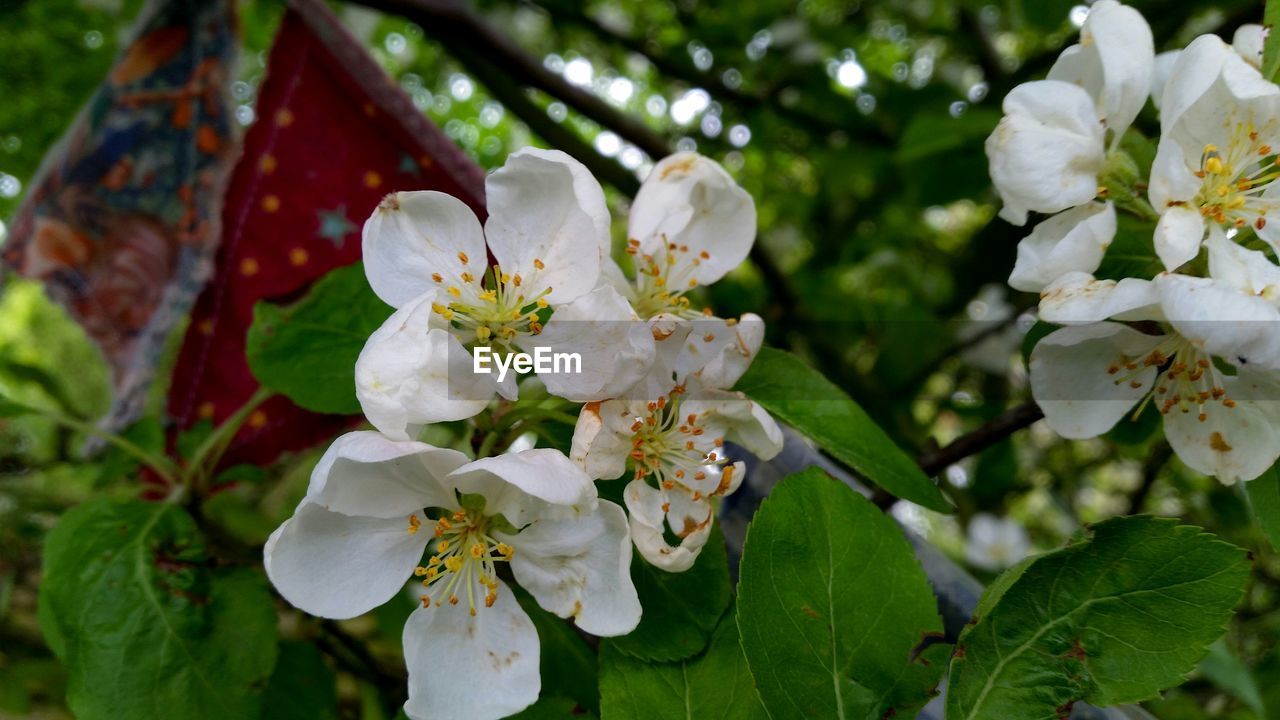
{"x":408,"y":165}
{"x":335,"y":226}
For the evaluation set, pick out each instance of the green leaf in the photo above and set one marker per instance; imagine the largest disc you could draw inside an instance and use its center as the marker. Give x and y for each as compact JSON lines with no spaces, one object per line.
{"x":834,"y":607}
{"x":680,"y":609}
{"x":567,"y":663}
{"x":12,"y":408}
{"x":1271,"y":50}
{"x":190,"y":440}
{"x":302,"y":687}
{"x":147,"y":434}
{"x":1120,"y":614}
{"x":712,"y":686}
{"x":1264,"y":500}
{"x":147,"y":627}
{"x":1229,"y":672}
{"x":803,"y":398}
{"x":1131,"y":253}
{"x":307,"y":351}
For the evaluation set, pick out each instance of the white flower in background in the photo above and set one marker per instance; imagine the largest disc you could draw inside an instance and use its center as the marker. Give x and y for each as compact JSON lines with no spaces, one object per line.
{"x":994,"y":543}
{"x":690,"y":224}
{"x":1215,"y":164}
{"x":672,"y":438}
{"x":1050,"y":147}
{"x":375,"y":505}
{"x":426,"y":256}
{"x":986,"y":312}
{"x":1213,"y":371}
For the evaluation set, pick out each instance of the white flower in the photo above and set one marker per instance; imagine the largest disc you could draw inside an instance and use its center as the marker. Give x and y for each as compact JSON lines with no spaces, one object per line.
{"x":375,"y":505}
{"x":672,"y":435}
{"x":995,"y":543}
{"x":1050,"y":147}
{"x":425,"y":254}
{"x":690,"y":224}
{"x":1212,"y":372}
{"x":1074,"y":240}
{"x":1248,"y":43}
{"x":1214,"y":164}
{"x":989,"y":309}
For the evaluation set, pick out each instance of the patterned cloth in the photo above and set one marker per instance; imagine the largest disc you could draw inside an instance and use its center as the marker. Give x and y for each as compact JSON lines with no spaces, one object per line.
{"x":122,"y":219}
{"x":334,"y":135}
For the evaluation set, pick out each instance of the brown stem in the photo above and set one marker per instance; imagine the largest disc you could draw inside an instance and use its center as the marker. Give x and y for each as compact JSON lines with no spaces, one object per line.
{"x":1011,"y":421}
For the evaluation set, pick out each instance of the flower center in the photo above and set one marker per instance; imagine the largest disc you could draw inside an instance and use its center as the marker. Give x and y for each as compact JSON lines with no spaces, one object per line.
{"x":466,"y":556}
{"x":663,"y":278}
{"x":496,"y":309}
{"x":1235,"y":179}
{"x":1187,"y":379}
{"x":675,"y":449}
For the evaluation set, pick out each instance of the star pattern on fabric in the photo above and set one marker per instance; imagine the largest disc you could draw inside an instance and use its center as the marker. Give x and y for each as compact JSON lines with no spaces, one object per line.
{"x":409,"y":166}
{"x":335,"y":225}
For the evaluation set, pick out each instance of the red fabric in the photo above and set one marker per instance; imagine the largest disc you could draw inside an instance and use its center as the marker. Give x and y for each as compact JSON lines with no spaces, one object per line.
{"x":333,"y":136}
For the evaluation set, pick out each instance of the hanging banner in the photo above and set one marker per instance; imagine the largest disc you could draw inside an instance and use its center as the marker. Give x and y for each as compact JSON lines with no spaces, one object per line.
{"x":122,"y":219}
{"x":333,"y":136}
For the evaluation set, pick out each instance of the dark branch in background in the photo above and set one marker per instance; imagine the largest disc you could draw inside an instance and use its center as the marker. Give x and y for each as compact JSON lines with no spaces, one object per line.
{"x":1011,"y":421}
{"x":455,"y":24}
{"x":1156,"y":461}
{"x":665,"y":64}
{"x":505,"y":69}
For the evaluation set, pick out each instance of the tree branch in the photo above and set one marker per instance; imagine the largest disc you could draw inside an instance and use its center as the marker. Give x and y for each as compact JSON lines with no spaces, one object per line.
{"x":454,"y":22}
{"x":1013,"y":420}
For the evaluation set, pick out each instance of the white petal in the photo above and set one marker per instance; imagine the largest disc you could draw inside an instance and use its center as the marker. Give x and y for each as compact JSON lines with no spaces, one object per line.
{"x":602,"y":438}
{"x":410,"y":374}
{"x":1211,"y":91}
{"x":615,"y":347}
{"x":1047,"y":151}
{"x":1241,"y":328}
{"x":480,"y":668}
{"x":671,"y":336}
{"x":340,"y":566}
{"x":1113,"y":62}
{"x":1249,"y":271}
{"x":717,"y":353}
{"x":1178,"y":236}
{"x":1248,"y":42}
{"x":1194,"y":71}
{"x":1160,"y":74}
{"x":546,"y":206}
{"x":1071,"y":241}
{"x":647,"y":530}
{"x":1173,"y":179}
{"x":1238,"y":443}
{"x":1071,"y":383}
{"x":739,"y":420}
{"x":367,"y":473}
{"x":519,"y":484}
{"x":580,"y":567}
{"x":1077,"y":298}
{"x":414,"y":234}
{"x":688,"y":199}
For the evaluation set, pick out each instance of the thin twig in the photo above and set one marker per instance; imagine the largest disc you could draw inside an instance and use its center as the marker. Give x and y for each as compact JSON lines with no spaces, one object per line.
{"x":1011,"y":421}
{"x":1156,"y":461}
{"x":454,"y":20}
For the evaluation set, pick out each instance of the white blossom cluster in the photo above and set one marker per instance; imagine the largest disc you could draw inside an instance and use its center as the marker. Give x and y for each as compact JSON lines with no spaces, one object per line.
{"x":1198,"y":340}
{"x":383,"y":508}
